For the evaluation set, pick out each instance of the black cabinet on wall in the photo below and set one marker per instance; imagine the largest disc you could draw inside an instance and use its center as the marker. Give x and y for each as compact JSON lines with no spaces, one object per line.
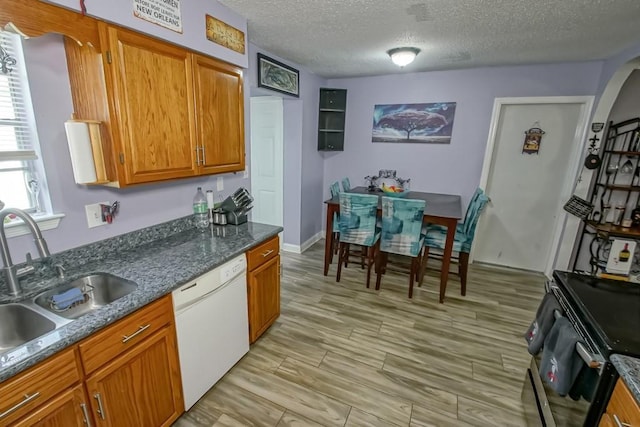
{"x":333,"y":107}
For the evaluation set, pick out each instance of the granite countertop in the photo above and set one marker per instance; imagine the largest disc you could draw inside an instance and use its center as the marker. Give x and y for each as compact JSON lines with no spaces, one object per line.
{"x":157,"y":267}
{"x":629,"y":369}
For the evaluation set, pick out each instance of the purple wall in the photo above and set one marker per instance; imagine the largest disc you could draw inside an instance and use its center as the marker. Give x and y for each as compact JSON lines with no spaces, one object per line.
{"x":449,"y":168}
{"x":303,"y":168}
{"x":193,"y":24}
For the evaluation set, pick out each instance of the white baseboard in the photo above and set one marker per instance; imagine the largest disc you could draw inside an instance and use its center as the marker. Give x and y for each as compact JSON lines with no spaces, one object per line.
{"x":298,"y":249}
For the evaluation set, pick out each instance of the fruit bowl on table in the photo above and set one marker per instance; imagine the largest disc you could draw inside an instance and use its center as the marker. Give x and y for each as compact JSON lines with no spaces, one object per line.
{"x":394,"y":191}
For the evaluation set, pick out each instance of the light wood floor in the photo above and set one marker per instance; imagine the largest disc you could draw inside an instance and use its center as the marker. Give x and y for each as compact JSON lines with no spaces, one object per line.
{"x":344,"y":355}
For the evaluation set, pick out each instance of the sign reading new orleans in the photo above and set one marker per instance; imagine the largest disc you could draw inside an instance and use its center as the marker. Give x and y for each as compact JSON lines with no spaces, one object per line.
{"x":165,"y":13}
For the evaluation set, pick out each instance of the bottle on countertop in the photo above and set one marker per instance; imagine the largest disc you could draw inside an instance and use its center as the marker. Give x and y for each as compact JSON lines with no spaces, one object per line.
{"x":210,"y":205}
{"x":200,"y":210}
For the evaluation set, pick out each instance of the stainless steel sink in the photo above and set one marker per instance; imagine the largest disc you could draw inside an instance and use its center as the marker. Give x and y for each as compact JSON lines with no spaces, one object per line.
{"x":20,"y":324}
{"x":98,"y":290}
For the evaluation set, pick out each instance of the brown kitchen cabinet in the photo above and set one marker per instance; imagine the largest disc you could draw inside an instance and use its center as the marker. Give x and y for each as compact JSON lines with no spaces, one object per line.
{"x":141,"y":385}
{"x":127,"y":374}
{"x":49,"y":393}
{"x":263,"y":287}
{"x":623,"y":409}
{"x":219,"y":104}
{"x":168,"y":113}
{"x":68,"y":409}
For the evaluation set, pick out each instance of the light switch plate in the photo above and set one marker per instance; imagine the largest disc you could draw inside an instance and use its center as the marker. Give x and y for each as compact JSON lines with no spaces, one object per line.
{"x":94,"y":214}
{"x":220,"y":183}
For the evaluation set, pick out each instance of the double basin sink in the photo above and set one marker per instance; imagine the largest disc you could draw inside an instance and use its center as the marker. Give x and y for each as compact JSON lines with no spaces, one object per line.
{"x":27,"y":320}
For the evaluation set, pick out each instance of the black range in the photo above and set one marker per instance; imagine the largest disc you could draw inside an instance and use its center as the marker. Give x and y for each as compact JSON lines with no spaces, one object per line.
{"x":609,"y":308}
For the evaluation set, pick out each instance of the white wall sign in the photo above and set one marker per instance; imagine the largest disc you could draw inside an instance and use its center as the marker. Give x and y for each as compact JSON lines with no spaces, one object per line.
{"x":165,"y":13}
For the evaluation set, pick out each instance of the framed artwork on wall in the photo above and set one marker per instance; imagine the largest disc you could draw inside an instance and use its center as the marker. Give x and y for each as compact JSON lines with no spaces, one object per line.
{"x":275,"y":75}
{"x":421,"y":123}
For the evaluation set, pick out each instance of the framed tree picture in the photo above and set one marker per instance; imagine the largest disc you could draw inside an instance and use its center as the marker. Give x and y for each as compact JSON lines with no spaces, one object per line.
{"x":415,"y":123}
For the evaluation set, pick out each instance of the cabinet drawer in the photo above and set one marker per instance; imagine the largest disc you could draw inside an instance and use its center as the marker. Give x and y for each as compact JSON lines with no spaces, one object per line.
{"x":263,"y":253}
{"x":103,"y":346}
{"x":623,"y":405}
{"x":27,"y":391}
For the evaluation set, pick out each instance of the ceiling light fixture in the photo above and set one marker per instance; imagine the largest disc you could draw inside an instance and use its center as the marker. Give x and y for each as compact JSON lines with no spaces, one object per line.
{"x":402,"y":56}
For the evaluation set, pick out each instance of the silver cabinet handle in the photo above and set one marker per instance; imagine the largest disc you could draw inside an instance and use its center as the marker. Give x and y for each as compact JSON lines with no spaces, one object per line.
{"x":24,"y":401}
{"x":140,"y":330}
{"x":620,"y":423}
{"x":267,"y":253}
{"x":204,"y":156}
{"x":197,"y":156}
{"x":100,"y":408}
{"x":85,"y":414}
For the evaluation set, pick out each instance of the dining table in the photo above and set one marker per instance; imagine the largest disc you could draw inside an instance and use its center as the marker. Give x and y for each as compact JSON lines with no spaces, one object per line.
{"x":441,"y":209}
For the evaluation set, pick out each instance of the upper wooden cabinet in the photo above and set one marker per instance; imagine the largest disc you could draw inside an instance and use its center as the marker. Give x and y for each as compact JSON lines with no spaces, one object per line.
{"x":219,"y":115}
{"x":150,"y":82}
{"x":168,"y":113}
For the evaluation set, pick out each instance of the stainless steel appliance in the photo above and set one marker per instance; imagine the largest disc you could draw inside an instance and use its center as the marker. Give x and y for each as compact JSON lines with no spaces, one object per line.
{"x":606,"y":315}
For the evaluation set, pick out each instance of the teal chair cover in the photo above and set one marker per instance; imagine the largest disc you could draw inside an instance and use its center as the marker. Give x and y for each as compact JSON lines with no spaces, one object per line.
{"x":357,"y":221}
{"x":346,"y":184}
{"x":402,"y":226}
{"x":358,"y":214}
{"x":401,"y":234}
{"x":460,"y":226}
{"x":437,"y":236}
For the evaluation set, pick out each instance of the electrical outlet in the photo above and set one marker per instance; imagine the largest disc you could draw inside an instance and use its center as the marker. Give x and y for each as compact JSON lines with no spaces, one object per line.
{"x":246,"y":174}
{"x":220,"y":183}
{"x":94,"y":214}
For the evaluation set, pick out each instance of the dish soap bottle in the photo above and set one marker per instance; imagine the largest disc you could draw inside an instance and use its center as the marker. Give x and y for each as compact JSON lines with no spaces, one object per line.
{"x":200,"y":210}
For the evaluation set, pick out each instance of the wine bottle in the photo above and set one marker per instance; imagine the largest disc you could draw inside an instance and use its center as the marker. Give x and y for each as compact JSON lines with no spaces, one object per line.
{"x":624,"y":254}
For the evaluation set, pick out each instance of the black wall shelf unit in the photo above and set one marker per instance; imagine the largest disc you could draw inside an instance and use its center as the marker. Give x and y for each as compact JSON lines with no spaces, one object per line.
{"x":331,"y":119}
{"x":615,"y":193}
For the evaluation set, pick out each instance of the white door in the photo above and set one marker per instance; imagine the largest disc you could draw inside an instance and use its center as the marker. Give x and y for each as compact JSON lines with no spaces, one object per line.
{"x":267,"y":160}
{"x":522,"y":225}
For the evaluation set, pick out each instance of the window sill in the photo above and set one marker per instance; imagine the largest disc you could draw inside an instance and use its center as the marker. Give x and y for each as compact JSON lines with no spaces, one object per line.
{"x":45,"y":222}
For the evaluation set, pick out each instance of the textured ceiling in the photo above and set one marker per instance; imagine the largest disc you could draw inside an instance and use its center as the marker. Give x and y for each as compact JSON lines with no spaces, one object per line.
{"x":345,"y":38}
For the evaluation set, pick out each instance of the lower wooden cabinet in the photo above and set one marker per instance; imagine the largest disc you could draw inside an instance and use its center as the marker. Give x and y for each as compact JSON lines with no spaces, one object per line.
{"x":141,"y":387}
{"x":133,"y":380}
{"x":263,"y":287}
{"x":66,"y":410}
{"x":623,"y":409}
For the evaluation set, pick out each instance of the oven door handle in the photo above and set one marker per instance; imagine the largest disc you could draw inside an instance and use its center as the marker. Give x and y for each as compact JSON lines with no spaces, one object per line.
{"x":592,"y":361}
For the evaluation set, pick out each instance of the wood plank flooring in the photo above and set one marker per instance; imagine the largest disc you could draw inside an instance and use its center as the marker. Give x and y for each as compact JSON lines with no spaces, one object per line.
{"x":344,"y":355}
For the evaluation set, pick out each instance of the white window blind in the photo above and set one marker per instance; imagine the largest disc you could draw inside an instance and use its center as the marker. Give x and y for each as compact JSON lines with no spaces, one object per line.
{"x":17,"y":140}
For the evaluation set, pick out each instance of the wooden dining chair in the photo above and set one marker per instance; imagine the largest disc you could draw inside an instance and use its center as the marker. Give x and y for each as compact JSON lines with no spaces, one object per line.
{"x":402,"y":235}
{"x":357,"y":223}
{"x":346,"y":184}
{"x":436,"y":236}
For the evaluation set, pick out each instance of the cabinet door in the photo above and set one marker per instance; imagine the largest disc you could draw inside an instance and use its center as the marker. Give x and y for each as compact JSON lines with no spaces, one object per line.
{"x":152,"y":97}
{"x":66,"y":410}
{"x":219,"y":115}
{"x":264,"y":297}
{"x":140,"y":388}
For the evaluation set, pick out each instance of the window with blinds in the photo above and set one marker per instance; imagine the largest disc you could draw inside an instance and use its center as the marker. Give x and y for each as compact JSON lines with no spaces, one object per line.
{"x":19,"y":182}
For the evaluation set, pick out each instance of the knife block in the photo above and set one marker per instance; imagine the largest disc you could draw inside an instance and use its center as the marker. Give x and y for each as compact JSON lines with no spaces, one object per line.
{"x":235,"y":219}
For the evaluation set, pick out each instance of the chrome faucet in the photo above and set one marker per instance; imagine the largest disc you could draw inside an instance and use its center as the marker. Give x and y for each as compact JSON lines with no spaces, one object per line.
{"x":11,"y":271}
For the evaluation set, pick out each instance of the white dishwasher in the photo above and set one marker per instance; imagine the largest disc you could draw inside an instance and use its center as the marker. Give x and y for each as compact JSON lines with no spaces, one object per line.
{"x":212,"y":326}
